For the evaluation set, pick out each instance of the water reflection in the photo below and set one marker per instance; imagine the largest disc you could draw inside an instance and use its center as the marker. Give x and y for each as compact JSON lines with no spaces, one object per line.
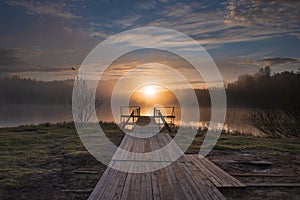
{"x":15,"y":115}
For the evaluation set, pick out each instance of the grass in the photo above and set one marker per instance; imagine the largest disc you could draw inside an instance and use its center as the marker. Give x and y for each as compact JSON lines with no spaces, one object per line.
{"x":27,"y":152}
{"x":239,"y":142}
{"x":22,"y":152}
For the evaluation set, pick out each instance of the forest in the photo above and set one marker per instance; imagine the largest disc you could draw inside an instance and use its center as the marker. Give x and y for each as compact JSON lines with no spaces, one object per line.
{"x":260,"y":90}
{"x":265,"y":90}
{"x":17,"y":90}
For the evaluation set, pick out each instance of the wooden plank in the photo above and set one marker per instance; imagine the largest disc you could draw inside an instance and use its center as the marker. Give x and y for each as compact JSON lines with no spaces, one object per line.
{"x":194,"y":187}
{"x":126,"y":188}
{"x":138,"y":146}
{"x":273,"y":184}
{"x":204,"y":188}
{"x":100,"y":185}
{"x":78,"y":191}
{"x":143,"y":190}
{"x":149,"y":186}
{"x":182,"y":181}
{"x":206,"y":172}
{"x":117,"y":186}
{"x":147,"y":176}
{"x":254,"y":162}
{"x":127,"y":193}
{"x":155,"y":188}
{"x":263,"y":175}
{"x":231,"y":181}
{"x":109,"y":184}
{"x":218,"y":176}
{"x":114,"y":192}
{"x":85,"y":172}
{"x":136,"y":188}
{"x":178,"y":194}
{"x":102,"y":189}
{"x":122,"y":182}
{"x":207,"y":188}
{"x":165,"y":189}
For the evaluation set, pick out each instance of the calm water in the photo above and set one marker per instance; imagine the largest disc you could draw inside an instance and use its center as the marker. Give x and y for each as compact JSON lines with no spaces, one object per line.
{"x":15,"y":115}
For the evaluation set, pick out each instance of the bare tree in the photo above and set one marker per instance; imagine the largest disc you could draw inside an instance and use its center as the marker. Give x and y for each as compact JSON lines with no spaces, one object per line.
{"x":83,"y":107}
{"x":281,"y":123}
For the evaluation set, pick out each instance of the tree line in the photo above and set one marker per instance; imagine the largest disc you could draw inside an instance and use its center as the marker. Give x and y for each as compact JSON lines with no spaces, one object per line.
{"x":264,"y":89}
{"x":17,"y":90}
{"x":260,"y":90}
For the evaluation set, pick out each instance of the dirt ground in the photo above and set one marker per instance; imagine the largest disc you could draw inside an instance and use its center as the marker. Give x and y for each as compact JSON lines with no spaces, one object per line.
{"x":284,"y":165}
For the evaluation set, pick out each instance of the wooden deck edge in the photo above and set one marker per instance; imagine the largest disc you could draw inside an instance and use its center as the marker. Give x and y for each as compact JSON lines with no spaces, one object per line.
{"x":273,"y":185}
{"x":230,"y":182}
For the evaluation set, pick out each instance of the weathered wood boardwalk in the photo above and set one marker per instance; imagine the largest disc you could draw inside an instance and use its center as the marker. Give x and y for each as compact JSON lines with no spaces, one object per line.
{"x":190,"y":177}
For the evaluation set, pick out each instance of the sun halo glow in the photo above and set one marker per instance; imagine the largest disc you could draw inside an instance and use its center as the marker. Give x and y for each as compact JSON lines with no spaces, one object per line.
{"x":149,"y":90}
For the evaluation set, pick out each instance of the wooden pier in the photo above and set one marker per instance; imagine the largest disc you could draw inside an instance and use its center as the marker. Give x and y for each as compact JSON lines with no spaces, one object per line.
{"x":189,"y":177}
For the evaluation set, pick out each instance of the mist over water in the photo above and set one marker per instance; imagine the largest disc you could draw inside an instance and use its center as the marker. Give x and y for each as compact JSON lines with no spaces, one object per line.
{"x":16,"y":115}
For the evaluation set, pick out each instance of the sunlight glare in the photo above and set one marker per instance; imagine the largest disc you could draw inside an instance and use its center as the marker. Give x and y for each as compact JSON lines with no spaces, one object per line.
{"x":149,"y":90}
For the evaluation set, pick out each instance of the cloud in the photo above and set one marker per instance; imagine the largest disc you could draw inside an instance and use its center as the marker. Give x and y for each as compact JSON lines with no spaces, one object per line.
{"x":10,"y":57}
{"x":278,"y":60}
{"x":236,"y":21}
{"x":278,"y":15}
{"x":12,"y":61}
{"x":54,"y":9}
{"x":268,"y":61}
{"x":127,"y":21}
{"x":159,"y":38}
{"x":146,"y":5}
{"x":176,"y":10}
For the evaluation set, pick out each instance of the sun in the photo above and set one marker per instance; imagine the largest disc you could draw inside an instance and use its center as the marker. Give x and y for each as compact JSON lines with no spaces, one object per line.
{"x":149,"y":90}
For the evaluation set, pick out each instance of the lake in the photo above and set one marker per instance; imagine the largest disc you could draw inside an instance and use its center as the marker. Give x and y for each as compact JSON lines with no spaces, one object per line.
{"x":15,"y":115}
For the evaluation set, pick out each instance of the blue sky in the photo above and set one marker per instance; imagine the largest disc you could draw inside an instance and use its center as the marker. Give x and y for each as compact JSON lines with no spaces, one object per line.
{"x":44,"y":39}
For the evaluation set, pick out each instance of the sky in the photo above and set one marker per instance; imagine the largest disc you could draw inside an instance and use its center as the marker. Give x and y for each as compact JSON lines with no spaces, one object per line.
{"x":45,"y":39}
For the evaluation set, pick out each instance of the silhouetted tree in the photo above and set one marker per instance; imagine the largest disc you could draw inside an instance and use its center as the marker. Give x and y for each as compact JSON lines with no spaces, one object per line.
{"x":264,"y":72}
{"x":82,"y":107}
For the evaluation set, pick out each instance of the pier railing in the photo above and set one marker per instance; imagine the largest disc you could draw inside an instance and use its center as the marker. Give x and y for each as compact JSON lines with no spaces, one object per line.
{"x":163,"y":116}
